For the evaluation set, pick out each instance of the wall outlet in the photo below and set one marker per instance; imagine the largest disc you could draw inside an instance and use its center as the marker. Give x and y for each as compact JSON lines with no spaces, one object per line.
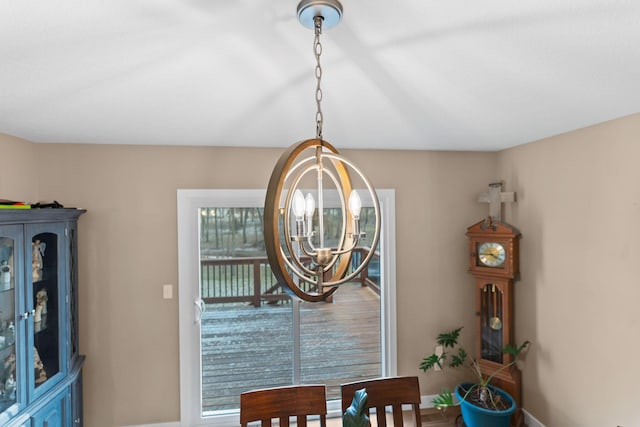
{"x":438,"y":351}
{"x":167,"y":291}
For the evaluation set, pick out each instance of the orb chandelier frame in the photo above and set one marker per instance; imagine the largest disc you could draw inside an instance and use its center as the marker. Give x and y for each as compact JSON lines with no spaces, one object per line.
{"x":301,"y":259}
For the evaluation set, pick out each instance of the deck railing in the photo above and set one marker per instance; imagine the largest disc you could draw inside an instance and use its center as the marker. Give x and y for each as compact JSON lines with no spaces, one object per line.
{"x":250,"y":280}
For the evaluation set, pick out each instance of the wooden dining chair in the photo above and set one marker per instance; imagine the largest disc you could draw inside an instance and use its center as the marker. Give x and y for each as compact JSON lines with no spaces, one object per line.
{"x":383,"y":393}
{"x":282,"y":403}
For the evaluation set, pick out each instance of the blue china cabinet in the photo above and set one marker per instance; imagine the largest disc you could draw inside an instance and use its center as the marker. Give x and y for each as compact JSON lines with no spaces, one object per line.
{"x":40,"y":363}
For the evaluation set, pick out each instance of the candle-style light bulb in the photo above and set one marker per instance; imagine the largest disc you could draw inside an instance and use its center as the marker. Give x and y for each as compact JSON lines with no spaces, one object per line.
{"x":310,"y":205}
{"x":298,"y":205}
{"x":355,"y":204}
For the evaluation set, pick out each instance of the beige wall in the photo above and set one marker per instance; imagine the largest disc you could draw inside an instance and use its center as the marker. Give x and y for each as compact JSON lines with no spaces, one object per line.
{"x":579,"y":213}
{"x":18,"y":176}
{"x":578,"y":206}
{"x":128,"y":245}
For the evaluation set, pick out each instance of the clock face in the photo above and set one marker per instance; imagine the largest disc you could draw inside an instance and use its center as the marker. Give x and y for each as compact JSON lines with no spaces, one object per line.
{"x":491,"y":254}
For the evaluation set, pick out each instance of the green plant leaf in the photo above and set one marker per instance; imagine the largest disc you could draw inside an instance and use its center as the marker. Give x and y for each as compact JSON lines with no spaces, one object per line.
{"x":515,"y":351}
{"x":458,"y":359}
{"x":431,"y":361}
{"x":449,"y":339}
{"x":443,"y":400}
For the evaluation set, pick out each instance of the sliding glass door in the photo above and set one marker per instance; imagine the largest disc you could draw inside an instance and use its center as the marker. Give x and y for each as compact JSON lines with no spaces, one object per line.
{"x":240,"y":331}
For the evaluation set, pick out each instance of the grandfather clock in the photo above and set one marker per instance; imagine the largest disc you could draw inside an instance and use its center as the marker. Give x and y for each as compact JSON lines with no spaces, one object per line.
{"x":493,"y":261}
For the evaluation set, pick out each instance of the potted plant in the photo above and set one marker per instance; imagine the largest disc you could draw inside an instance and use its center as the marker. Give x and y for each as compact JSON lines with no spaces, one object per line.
{"x":481,"y":404}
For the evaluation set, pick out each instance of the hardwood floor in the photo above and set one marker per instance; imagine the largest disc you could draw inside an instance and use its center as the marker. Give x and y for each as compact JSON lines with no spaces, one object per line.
{"x":435,"y":418}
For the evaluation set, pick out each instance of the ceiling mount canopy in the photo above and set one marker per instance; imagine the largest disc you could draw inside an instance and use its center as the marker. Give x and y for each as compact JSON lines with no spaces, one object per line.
{"x":316,"y":242}
{"x":329,"y":10}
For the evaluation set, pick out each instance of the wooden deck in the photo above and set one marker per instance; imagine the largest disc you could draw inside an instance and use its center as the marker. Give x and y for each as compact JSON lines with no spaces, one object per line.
{"x":244,"y":347}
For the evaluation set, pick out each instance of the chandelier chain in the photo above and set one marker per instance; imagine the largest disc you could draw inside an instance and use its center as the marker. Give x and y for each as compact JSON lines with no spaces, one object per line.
{"x":317,"y":51}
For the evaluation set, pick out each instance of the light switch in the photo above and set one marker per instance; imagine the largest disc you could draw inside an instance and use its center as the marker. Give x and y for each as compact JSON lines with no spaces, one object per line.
{"x":167,"y":291}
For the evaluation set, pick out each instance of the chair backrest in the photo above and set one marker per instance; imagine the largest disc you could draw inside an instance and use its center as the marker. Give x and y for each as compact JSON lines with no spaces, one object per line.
{"x":387,"y":392}
{"x":281,"y":403}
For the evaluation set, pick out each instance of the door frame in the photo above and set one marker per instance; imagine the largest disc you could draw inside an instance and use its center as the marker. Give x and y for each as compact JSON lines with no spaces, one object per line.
{"x":188,"y":203}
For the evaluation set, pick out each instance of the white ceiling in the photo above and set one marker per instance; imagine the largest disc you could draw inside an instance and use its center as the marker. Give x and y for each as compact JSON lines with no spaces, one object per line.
{"x":398,"y":74}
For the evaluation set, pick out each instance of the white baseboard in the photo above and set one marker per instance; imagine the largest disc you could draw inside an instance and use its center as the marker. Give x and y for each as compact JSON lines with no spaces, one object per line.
{"x":426,"y":401}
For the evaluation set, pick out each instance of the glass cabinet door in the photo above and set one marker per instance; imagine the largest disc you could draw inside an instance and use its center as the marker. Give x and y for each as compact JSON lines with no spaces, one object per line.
{"x":12,"y":392}
{"x":46,"y":301}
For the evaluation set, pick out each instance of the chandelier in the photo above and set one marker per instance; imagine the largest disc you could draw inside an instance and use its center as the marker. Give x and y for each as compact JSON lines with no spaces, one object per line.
{"x":315,"y":241}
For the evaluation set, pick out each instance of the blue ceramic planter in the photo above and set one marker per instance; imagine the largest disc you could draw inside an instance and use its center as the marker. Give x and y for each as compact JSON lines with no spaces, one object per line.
{"x":475,"y":416}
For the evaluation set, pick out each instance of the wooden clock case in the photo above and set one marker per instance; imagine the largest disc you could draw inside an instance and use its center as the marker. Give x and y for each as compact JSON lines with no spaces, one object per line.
{"x":494,"y":299}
